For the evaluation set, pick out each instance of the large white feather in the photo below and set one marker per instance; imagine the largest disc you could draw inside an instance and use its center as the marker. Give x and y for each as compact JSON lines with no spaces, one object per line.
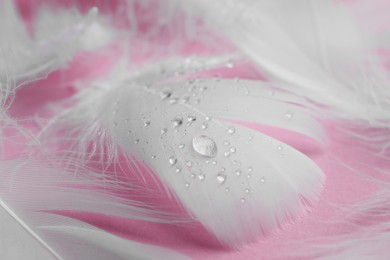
{"x":240,"y":184}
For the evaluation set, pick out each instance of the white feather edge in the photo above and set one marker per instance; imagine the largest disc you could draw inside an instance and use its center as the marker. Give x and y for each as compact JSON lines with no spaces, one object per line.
{"x":27,"y":222}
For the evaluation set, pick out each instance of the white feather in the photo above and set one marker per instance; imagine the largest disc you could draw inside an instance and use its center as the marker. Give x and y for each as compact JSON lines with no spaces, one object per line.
{"x":240,"y":184}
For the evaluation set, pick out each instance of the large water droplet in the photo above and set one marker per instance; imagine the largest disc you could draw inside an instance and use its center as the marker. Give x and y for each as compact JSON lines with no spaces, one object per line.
{"x":204,"y":145}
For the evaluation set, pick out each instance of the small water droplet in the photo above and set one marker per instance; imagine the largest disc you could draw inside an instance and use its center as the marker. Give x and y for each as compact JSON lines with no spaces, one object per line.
{"x":177,"y":121}
{"x":193,"y":176}
{"x":250,"y":169}
{"x":181,"y":146}
{"x":207,"y":118}
{"x":204,"y":145}
{"x":166,"y":94}
{"x":243,"y":200}
{"x":126,"y":120}
{"x":247,"y":190}
{"x":203,"y":88}
{"x":226,"y":154}
{"x":223,"y":169}
{"x":196,"y":101}
{"x":115,"y":112}
{"x":146,"y":123}
{"x":129,"y":132}
{"x":262,"y":179}
{"x":163,"y":131}
{"x":172,"y":160}
{"x":207,"y":162}
{"x":189,"y":163}
{"x":173,"y":101}
{"x":187,"y":185}
{"x":226,"y":142}
{"x":136,"y":141}
{"x":280,"y":147}
{"x":227,"y":189}
{"x":185,"y":99}
{"x":204,"y":126}
{"x":215,"y":162}
{"x":238,"y":172}
{"x":232,"y":149}
{"x":231,"y":130}
{"x":191,"y":118}
{"x":153,"y":157}
{"x":249,"y":175}
{"x":201,"y":177}
{"x":221,"y":178}
{"x":178,"y":170}
{"x":229,"y":64}
{"x":250,"y":138}
{"x":289,"y":115}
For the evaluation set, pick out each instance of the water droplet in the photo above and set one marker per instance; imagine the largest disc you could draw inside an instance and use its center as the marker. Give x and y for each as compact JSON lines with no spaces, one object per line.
{"x":207,"y":162}
{"x":280,"y":147}
{"x":215,"y":162}
{"x":229,"y":64}
{"x":185,"y":99}
{"x":227,"y":189}
{"x":232,"y":149}
{"x":196,"y":101}
{"x":189,"y":163}
{"x":115,"y":112}
{"x":178,"y":170}
{"x":231,"y":130}
{"x":191,"y":118}
{"x":181,"y":146}
{"x":193,"y":176}
{"x":163,"y":131}
{"x":126,"y":120}
{"x":221,"y":178}
{"x":226,"y":142}
{"x":173,"y":101}
{"x":172,"y":160}
{"x":129,"y":132}
{"x":166,"y":94}
{"x":203,"y":88}
{"x":177,"y":121}
{"x":187,"y":185}
{"x":205,"y":146}
{"x":226,"y":154}
{"x":201,"y":177}
{"x":262,"y":179}
{"x":146,"y":123}
{"x":207,"y":118}
{"x":289,"y":115}
{"x":247,"y":190}
{"x":204,"y":126}
{"x":249,"y":175}
{"x":136,"y":141}
{"x":243,"y":200}
{"x":238,"y":172}
{"x":153,"y":157}
{"x":250,"y":169}
{"x":250,"y":138}
{"x":223,"y":169}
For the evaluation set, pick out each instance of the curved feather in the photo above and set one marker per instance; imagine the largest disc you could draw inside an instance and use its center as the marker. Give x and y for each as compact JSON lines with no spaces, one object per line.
{"x":240,"y":184}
